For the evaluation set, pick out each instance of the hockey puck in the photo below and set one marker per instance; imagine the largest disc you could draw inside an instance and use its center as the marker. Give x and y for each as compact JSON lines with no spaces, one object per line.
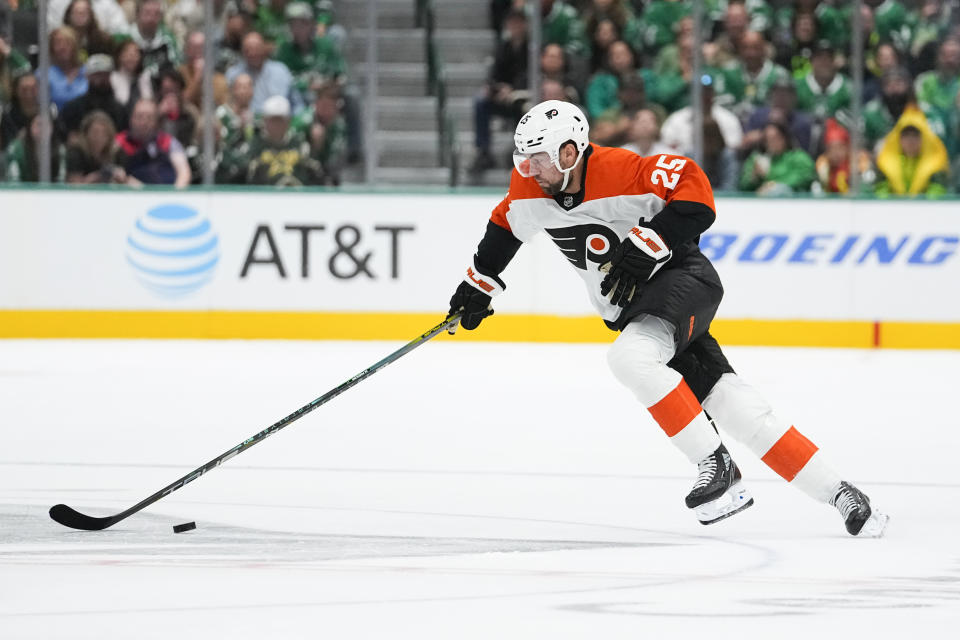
{"x":186,"y":526}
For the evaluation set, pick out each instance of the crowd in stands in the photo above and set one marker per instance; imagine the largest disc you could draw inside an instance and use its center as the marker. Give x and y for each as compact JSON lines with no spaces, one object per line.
{"x":126,"y":87}
{"x":776,"y":87}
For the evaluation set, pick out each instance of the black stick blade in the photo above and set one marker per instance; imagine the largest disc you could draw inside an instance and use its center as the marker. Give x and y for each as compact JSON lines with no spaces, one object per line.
{"x":72,"y":518}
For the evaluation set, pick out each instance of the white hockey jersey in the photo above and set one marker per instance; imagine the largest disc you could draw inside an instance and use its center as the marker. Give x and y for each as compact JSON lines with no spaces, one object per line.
{"x":620,"y":189}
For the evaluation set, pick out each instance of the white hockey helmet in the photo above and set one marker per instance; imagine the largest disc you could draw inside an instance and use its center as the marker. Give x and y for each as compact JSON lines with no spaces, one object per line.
{"x":541,"y":133}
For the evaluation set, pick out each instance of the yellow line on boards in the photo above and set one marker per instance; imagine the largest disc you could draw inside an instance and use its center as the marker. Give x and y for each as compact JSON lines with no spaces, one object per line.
{"x":794,"y":333}
{"x":404,"y":326}
{"x":920,"y":335}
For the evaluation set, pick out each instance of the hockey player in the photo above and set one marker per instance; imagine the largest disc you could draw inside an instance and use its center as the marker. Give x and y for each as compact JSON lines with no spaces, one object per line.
{"x":630,"y":225}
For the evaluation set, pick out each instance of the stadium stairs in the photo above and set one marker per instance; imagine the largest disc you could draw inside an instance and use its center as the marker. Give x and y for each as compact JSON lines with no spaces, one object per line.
{"x":407,"y":130}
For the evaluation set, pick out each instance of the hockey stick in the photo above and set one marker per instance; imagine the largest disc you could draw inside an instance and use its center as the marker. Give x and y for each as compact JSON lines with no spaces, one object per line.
{"x":70,"y":517}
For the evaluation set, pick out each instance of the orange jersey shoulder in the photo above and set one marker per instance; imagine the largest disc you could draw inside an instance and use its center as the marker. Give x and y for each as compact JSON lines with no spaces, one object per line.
{"x":616,"y":172}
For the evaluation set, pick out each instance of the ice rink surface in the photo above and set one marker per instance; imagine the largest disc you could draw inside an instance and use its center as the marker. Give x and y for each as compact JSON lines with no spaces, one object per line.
{"x":467,"y":491}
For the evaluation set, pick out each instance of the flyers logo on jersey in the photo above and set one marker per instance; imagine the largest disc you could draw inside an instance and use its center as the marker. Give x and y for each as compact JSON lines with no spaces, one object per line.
{"x":586,"y":242}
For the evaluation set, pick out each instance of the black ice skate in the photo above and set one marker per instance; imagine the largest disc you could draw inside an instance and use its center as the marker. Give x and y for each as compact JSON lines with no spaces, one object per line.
{"x":859,"y":518}
{"x":718,"y":492}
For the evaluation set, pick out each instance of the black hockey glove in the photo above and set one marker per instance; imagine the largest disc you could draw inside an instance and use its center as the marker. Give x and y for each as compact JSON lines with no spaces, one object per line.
{"x":472,"y":298}
{"x":641,"y":254}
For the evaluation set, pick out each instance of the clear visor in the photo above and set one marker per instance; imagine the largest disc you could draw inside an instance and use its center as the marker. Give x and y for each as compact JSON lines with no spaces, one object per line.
{"x":531,"y":164}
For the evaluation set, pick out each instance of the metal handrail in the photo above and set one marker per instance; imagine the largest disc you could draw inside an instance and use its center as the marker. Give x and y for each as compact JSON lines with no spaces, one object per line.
{"x":447,"y":144}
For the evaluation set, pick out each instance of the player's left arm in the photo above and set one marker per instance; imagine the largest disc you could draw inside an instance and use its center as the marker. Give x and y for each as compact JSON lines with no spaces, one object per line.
{"x":482,"y":280}
{"x":688,"y":211}
{"x":689,"y":208}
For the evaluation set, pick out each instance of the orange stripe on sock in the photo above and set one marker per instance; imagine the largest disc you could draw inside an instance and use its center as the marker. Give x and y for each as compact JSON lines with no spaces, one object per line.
{"x":676,"y":409}
{"x":789,"y":454}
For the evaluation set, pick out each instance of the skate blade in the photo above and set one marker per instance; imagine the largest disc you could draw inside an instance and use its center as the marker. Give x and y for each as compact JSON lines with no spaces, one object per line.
{"x":875,"y":526}
{"x":733,"y":501}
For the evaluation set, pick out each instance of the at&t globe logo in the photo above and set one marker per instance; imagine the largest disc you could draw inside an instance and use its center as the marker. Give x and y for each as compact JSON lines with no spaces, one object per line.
{"x":173,"y":250}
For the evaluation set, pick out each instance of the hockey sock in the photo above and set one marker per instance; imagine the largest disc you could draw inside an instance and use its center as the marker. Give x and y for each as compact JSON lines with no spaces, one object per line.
{"x":638,"y":359}
{"x":682,"y":418}
{"x":741,"y":411}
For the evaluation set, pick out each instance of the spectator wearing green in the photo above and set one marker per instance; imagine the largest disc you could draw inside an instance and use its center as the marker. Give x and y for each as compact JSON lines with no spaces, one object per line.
{"x":278,"y":155}
{"x":737,"y":21}
{"x":235,"y":116}
{"x":760,"y":15}
{"x":895,"y":23}
{"x":794,"y":47}
{"x":602,"y":95}
{"x":824,"y":92}
{"x":23,"y":156}
{"x":270,"y":21}
{"x":669,"y":85}
{"x":667,"y":57}
{"x":833,"y":23}
{"x":16,"y":115}
{"x":728,"y":87}
{"x":620,"y":14}
{"x":913,"y":160}
{"x":753,"y":75}
{"x":937,"y":90}
{"x":327,"y":24}
{"x":613,"y":125}
{"x":777,"y":169}
{"x":12,"y":65}
{"x":896,"y":94}
{"x":932,"y":24}
{"x":658,"y":21}
{"x":326,"y":131}
{"x":308,"y":56}
{"x":158,"y":44}
{"x":562,"y":25}
{"x":237,"y":125}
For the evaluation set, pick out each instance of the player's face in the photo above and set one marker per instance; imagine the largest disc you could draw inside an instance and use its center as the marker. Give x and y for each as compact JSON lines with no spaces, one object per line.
{"x":531,"y":164}
{"x":540,"y":167}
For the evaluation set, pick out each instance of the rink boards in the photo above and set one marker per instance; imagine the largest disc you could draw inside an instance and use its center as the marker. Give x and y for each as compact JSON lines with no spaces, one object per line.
{"x":325,"y":265}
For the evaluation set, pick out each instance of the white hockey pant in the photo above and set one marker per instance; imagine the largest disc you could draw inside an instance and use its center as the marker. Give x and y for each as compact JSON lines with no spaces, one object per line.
{"x":638,"y":359}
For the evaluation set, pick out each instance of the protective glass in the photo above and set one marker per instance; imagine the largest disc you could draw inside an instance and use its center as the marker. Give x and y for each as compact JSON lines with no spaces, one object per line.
{"x":531,"y":164}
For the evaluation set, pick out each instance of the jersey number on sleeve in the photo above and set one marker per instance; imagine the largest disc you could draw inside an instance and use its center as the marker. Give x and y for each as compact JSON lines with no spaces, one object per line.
{"x":669,"y":179}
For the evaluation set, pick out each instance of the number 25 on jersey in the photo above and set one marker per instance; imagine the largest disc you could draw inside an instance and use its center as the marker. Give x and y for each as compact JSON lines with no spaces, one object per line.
{"x":669,"y":179}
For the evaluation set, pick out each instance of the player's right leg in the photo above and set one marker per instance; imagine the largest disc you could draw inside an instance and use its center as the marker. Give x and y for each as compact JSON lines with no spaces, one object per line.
{"x":638,"y":358}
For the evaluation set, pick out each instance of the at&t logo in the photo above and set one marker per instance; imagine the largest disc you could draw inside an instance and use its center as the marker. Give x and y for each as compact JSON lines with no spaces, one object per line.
{"x":173,"y":250}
